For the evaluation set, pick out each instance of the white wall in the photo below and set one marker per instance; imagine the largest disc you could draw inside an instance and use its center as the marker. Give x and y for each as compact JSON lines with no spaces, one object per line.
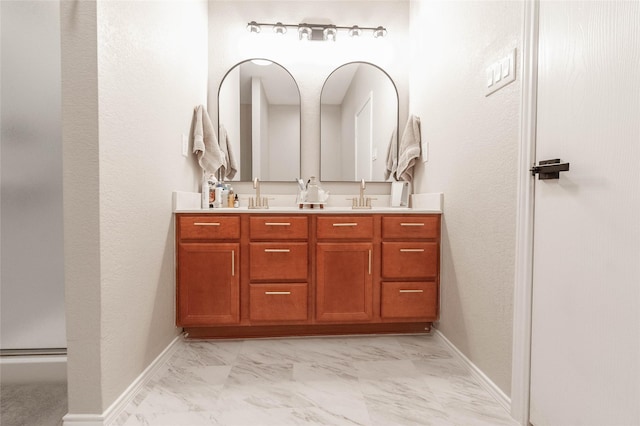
{"x":309,"y":63}
{"x":331,"y":128}
{"x":32,"y":278}
{"x":473,"y":147}
{"x":284,"y":127}
{"x":149,"y":72}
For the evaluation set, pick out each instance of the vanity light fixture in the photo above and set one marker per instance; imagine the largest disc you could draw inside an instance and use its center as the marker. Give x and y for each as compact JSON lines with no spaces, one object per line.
{"x":321,"y":32}
{"x":278,"y":28}
{"x":379,"y":32}
{"x":304,"y":32}
{"x":329,"y":33}
{"x":253,"y":27}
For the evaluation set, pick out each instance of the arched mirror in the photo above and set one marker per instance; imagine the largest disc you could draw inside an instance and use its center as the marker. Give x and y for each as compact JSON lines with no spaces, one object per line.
{"x":259,"y":117}
{"x":358,"y":123}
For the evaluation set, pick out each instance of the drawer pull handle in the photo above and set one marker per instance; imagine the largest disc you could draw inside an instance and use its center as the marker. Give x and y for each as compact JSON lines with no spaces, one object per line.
{"x":411,"y":291}
{"x":233,"y":263}
{"x":411,"y":224}
{"x":277,"y":292}
{"x":277,"y":224}
{"x":206,"y":223}
{"x":346,"y":224}
{"x":277,"y":250}
{"x":369,"y":262}
{"x":411,"y":250}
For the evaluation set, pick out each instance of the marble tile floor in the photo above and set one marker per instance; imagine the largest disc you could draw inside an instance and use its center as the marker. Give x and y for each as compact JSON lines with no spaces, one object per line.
{"x":367,"y":380}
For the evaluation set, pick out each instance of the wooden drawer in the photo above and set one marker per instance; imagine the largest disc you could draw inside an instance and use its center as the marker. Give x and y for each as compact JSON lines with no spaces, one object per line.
{"x":278,"y":228}
{"x":345,"y":227}
{"x":278,"y":302}
{"x":208,"y":227}
{"x":409,"y":260}
{"x":409,"y":300}
{"x":278,"y":261}
{"x":411,"y":227}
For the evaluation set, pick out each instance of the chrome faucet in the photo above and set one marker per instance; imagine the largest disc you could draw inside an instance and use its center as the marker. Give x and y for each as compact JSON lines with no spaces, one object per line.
{"x":259,"y":203}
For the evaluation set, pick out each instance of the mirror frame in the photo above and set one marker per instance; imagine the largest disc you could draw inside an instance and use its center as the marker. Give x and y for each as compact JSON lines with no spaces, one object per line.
{"x":395,"y":88}
{"x":299,"y":108}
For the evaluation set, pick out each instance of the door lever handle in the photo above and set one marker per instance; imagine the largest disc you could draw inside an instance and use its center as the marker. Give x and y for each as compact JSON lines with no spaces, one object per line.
{"x":549,"y":169}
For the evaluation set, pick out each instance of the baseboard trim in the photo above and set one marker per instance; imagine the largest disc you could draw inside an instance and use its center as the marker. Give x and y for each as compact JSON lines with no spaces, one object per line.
{"x":33,"y":368}
{"x":482,"y":378}
{"x":117,"y":407}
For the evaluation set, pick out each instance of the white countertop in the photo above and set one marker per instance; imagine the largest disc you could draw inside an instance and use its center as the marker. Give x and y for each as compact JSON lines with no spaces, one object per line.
{"x":189,"y":202}
{"x":326,"y":210}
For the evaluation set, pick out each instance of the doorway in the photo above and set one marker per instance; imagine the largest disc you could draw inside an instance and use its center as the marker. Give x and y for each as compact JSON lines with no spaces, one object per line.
{"x":583,"y":228}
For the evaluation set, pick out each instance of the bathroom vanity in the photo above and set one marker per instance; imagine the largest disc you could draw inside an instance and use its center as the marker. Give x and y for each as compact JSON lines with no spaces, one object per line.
{"x":248,"y":273}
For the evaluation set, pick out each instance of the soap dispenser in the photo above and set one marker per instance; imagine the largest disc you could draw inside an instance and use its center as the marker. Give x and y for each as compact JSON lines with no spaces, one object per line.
{"x":312,"y":190}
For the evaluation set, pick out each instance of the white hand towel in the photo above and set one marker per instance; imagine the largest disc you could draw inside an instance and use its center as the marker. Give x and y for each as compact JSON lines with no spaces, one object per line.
{"x":409,"y":149}
{"x":205,"y":143}
{"x":231,"y":166}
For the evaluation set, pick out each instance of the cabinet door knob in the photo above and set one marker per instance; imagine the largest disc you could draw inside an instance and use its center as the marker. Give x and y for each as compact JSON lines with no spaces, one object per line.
{"x":277,"y":292}
{"x":411,"y":224}
{"x":277,"y":224}
{"x":411,"y":291}
{"x":346,"y":224}
{"x":277,"y":250}
{"x":206,"y":223}
{"x":410,"y":250}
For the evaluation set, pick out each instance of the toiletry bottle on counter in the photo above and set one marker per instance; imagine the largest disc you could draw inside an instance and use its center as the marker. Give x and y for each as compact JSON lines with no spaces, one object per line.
{"x":212,"y":195}
{"x":230,"y":198}
{"x":205,"y":193}
{"x":312,"y":190}
{"x":218,"y":196}
{"x":224,"y":195}
{"x":236,"y":202}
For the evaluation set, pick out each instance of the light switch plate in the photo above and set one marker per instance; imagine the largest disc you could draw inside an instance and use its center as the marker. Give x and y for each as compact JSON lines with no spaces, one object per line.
{"x":489,"y":76}
{"x":505,"y":68}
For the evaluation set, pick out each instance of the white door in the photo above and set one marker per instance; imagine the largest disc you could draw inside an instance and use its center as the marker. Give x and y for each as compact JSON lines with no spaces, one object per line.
{"x":364,"y":140}
{"x":585,"y":356}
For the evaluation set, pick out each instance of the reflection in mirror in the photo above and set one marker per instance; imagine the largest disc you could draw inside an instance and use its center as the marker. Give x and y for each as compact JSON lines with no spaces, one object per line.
{"x":358,"y":123}
{"x":259,"y":115}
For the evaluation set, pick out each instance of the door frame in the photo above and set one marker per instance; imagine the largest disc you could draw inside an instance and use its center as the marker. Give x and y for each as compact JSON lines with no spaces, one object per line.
{"x":523,"y":288}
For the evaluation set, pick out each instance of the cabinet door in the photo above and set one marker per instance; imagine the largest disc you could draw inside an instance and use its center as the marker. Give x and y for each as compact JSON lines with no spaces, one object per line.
{"x":208,"y":284}
{"x":344,"y":282}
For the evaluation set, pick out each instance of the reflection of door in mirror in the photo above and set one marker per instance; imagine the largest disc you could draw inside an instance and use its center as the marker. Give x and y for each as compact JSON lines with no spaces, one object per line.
{"x":364,"y":141}
{"x":259,"y":109}
{"x":350,"y":150}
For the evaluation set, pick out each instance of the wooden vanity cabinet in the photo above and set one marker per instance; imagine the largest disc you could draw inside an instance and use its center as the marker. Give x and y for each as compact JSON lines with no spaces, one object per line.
{"x":261,"y":274}
{"x":207,"y":278}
